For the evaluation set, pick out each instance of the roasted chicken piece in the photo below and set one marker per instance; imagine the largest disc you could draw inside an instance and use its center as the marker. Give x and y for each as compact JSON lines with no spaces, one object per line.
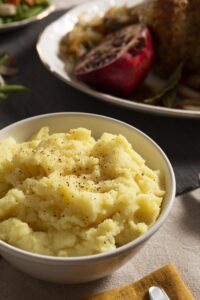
{"x":167,"y":20}
{"x":192,"y":64}
{"x":175,"y":27}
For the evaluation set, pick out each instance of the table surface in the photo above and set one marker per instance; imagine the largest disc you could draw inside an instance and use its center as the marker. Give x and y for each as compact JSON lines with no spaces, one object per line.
{"x":177,"y":137}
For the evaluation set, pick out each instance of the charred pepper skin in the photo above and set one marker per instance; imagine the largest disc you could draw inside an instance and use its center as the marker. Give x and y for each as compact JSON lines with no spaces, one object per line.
{"x":120,"y":63}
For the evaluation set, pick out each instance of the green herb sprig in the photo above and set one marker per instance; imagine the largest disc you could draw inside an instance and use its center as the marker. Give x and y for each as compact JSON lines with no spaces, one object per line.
{"x":7,"y":69}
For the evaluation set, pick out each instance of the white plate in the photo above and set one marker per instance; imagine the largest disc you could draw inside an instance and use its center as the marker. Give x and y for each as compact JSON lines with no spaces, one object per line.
{"x":49,"y":56}
{"x":14,"y":25}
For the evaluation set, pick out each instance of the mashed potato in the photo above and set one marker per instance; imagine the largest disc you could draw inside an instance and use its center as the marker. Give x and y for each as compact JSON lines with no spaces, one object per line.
{"x":66,"y":194}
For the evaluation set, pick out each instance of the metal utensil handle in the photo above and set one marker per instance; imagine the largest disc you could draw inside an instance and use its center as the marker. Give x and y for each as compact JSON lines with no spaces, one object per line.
{"x":157,"y":293}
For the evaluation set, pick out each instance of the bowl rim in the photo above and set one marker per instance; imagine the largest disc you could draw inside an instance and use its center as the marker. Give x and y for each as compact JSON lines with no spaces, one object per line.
{"x":106,"y":255}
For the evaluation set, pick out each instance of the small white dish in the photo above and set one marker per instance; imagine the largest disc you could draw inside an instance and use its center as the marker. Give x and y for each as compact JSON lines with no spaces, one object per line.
{"x":49,"y":56}
{"x":87,"y":268}
{"x":14,"y":25}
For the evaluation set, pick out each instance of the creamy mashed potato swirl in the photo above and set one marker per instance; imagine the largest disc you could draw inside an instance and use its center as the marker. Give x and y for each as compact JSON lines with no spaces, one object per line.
{"x":67,"y":194}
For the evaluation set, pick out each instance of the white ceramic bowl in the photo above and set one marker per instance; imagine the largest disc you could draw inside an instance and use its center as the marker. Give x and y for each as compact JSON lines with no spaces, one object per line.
{"x":87,"y":268}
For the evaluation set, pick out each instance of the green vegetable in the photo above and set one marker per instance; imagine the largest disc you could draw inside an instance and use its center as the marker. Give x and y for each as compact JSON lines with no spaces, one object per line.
{"x":4,"y":59}
{"x":5,"y":68}
{"x":4,"y":89}
{"x":25,"y":11}
{"x":167,"y":96}
{"x":28,"y":13}
{"x":12,"y":88}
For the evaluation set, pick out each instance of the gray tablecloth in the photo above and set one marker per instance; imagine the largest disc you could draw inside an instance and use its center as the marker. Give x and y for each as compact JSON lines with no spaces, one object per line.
{"x":179,"y":138}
